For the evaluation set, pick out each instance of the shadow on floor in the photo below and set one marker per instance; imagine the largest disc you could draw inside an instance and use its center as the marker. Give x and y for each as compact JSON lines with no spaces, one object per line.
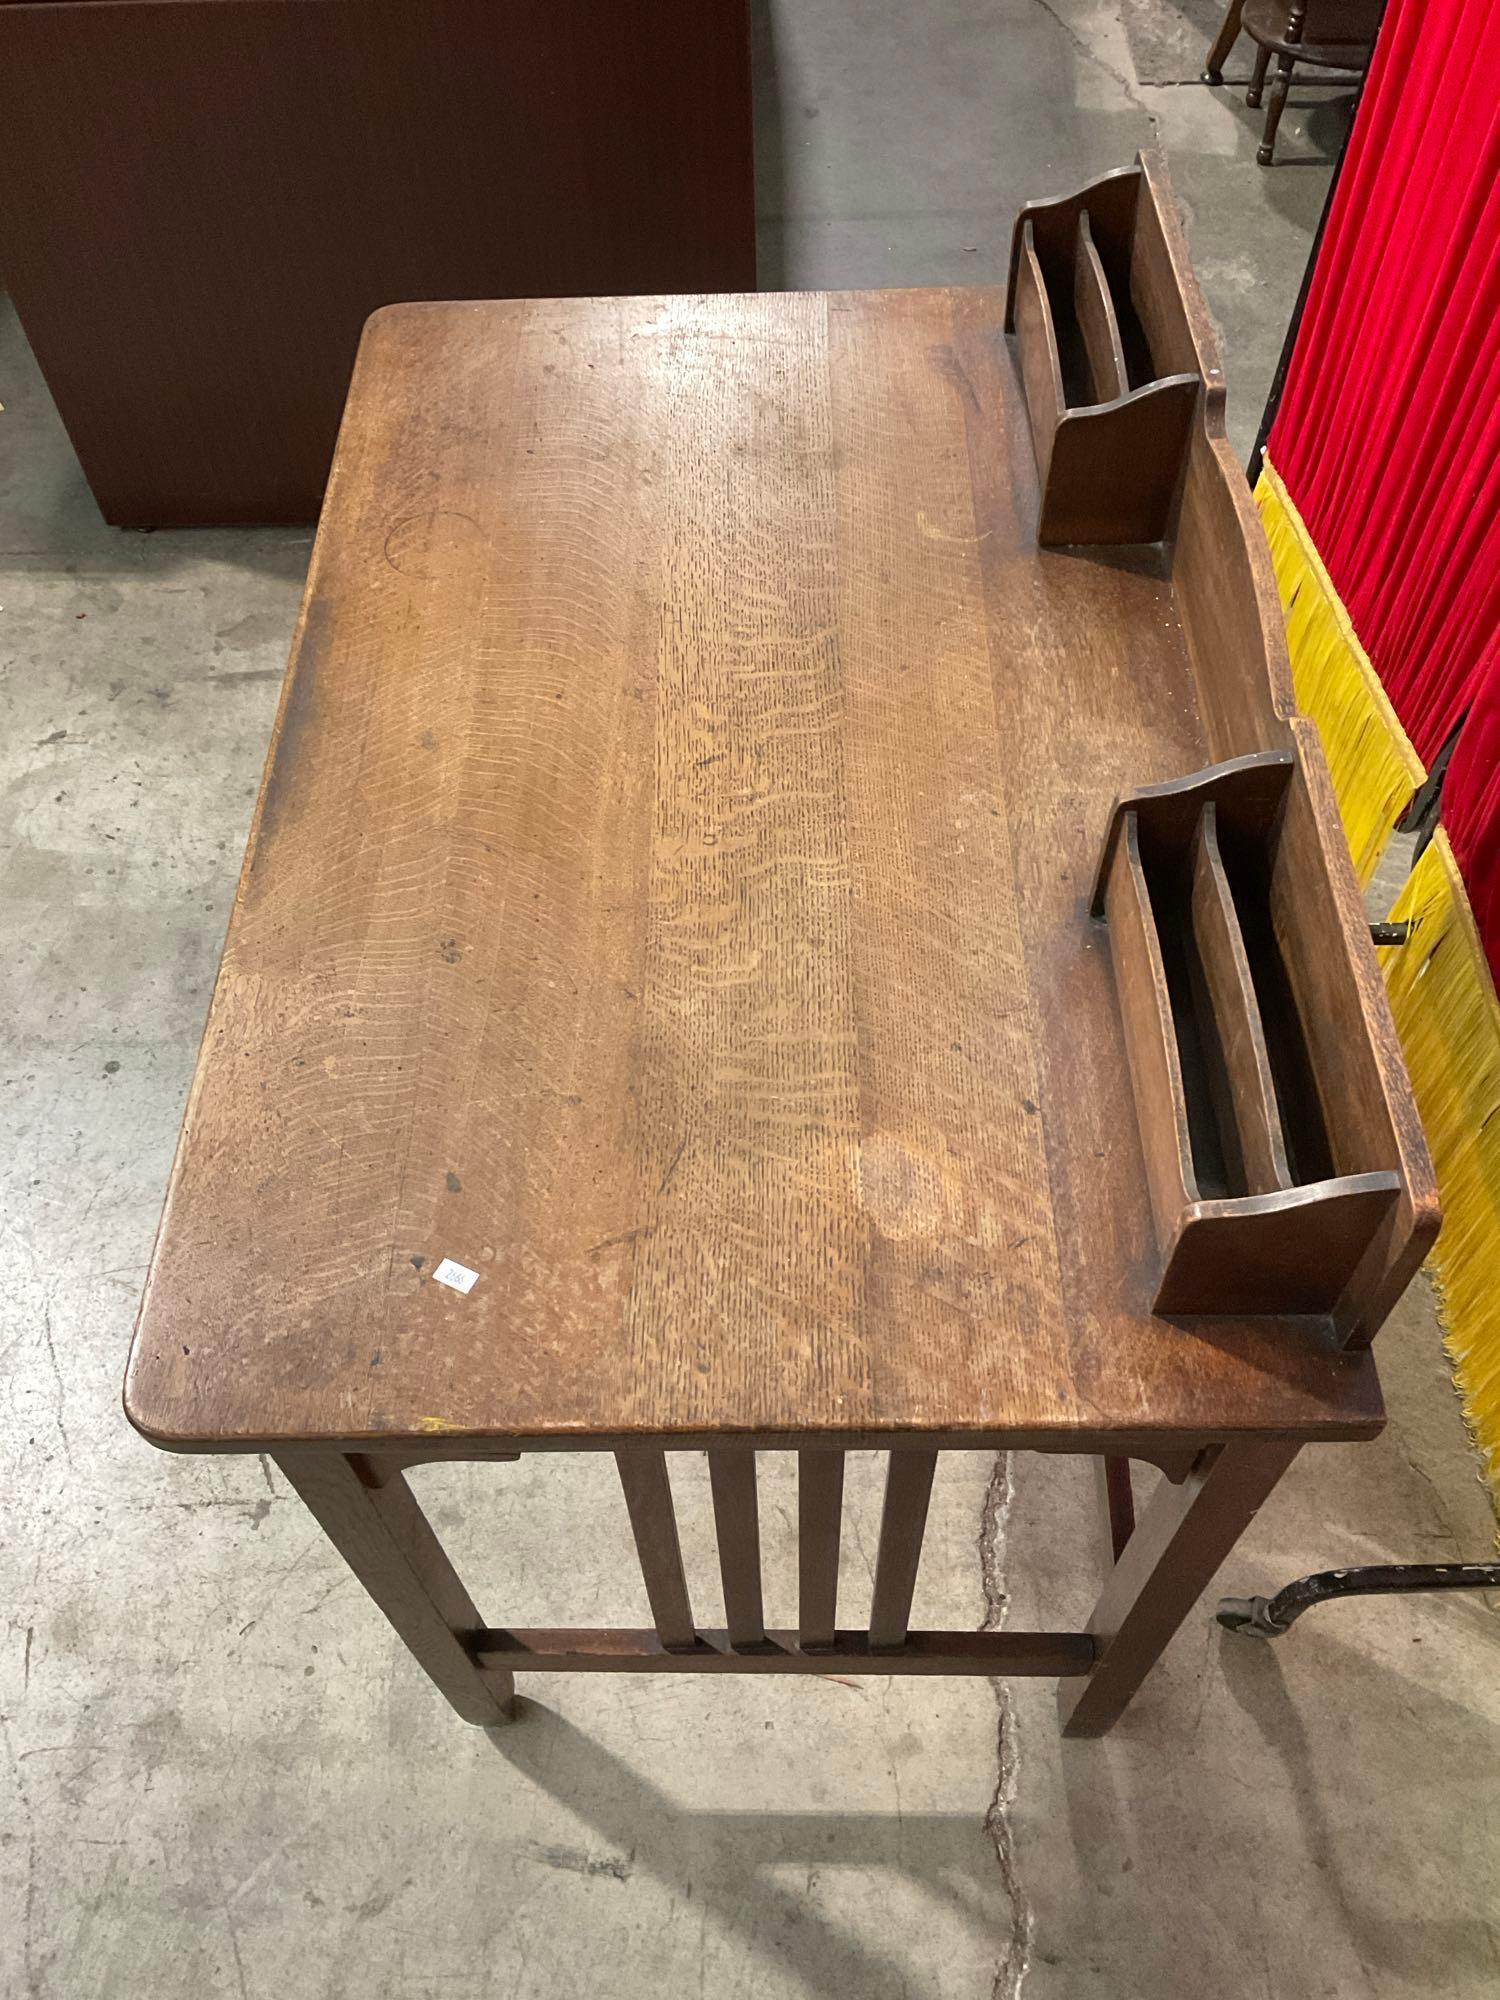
{"x":724,"y":1859}
{"x":1257,"y":1681}
{"x":1303,"y":1760}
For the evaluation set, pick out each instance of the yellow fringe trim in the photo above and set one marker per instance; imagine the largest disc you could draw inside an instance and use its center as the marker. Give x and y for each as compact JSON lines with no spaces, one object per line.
{"x":1375,"y":769}
{"x":1448,"y":1018}
{"x":1441,"y":990}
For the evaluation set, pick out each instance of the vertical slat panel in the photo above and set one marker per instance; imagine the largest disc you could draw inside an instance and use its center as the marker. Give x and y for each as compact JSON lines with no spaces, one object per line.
{"x":1116,"y":1503}
{"x":648,"y":1495}
{"x":731,"y":1472}
{"x":908,"y":1487}
{"x":820,"y":1502}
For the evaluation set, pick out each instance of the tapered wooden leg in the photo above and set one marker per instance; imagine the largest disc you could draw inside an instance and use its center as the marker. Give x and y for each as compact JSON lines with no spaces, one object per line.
{"x":1179,"y":1542}
{"x":1257,"y":78}
{"x":1280,"y":84}
{"x":371,"y":1516}
{"x":1218,"y":55}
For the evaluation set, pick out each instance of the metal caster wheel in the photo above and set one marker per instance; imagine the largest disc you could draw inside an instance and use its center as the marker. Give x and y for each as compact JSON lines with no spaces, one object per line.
{"x":1249,"y":1615}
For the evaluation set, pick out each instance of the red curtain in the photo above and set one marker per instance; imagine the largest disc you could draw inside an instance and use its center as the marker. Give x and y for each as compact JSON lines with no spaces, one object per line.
{"x":1388,"y":433}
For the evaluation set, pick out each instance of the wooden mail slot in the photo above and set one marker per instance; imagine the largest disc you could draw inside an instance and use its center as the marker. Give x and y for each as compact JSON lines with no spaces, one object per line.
{"x":1268,"y":1191}
{"x":1109,"y":422}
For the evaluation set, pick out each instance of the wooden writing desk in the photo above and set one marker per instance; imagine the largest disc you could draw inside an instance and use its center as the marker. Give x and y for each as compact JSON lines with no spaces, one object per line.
{"x":669,"y":899}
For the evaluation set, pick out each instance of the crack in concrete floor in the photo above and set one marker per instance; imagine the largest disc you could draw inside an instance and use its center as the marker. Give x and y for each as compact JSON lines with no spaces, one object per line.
{"x":994,"y":1522}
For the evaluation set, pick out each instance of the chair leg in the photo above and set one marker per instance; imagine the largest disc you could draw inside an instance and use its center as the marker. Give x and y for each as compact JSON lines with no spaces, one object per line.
{"x":1218,"y":55}
{"x":1257,"y":78}
{"x":1280,"y":83}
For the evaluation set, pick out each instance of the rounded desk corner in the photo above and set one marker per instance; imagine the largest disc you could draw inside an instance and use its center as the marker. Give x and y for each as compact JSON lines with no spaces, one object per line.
{"x":392,"y":309}
{"x":1426,"y":1211}
{"x":149,"y":1422}
{"x":389,"y":319}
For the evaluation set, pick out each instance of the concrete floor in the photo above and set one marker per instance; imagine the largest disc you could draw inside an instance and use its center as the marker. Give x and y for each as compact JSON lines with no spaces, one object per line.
{"x":223,"y":1775}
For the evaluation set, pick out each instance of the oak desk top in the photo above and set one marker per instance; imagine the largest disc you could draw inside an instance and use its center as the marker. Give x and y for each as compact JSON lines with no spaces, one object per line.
{"x":668,"y":899}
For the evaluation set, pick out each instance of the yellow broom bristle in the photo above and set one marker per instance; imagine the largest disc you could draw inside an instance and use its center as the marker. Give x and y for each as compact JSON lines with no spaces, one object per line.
{"x":1375,"y":769}
{"x":1448,"y":1018}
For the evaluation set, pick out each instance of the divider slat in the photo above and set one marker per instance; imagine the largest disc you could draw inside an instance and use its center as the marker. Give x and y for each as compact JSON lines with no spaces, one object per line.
{"x":1036,"y":346}
{"x":648,"y":1495}
{"x":1150,"y":1037}
{"x":1094,"y":309}
{"x":820,"y":1501}
{"x":1226,"y":970}
{"x":731,"y":1472}
{"x":908,"y":1487}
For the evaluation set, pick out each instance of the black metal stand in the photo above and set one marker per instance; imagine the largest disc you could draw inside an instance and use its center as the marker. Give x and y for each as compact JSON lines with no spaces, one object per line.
{"x":1269,"y":1617}
{"x":1422,"y":815}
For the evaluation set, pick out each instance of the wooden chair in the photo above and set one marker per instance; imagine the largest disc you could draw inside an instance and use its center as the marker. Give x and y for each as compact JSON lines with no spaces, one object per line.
{"x":1330,"y":34}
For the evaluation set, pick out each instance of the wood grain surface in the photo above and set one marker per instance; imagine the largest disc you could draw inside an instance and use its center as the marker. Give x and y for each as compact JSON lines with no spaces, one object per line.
{"x":668,"y":899}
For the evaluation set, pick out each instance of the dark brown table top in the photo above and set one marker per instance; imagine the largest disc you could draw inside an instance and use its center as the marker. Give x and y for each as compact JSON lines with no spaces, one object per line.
{"x":667,"y":900}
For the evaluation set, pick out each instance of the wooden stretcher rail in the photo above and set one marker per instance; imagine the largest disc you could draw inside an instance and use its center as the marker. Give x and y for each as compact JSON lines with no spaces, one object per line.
{"x":605,"y":1651}
{"x":745,"y":1646}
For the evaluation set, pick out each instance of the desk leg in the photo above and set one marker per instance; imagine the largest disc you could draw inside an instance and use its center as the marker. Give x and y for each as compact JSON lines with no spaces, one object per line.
{"x":1167,"y":1564}
{"x":371,"y":1516}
